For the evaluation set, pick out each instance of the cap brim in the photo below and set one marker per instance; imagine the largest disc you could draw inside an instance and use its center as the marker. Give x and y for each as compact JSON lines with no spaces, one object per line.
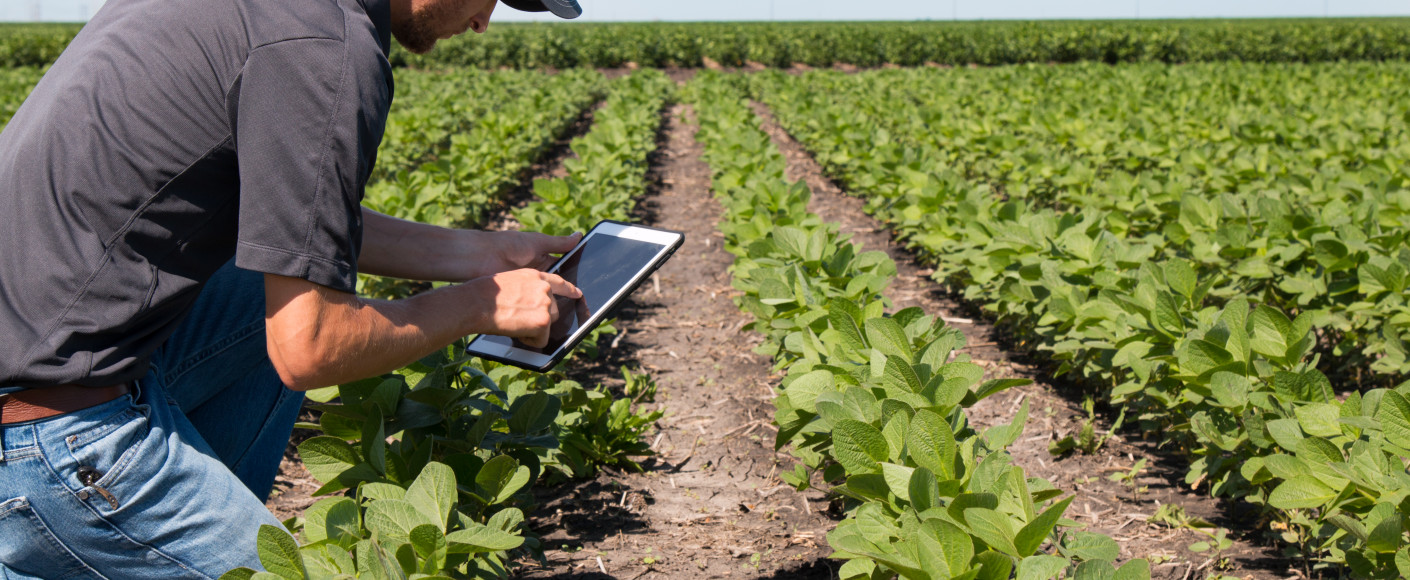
{"x":564,"y":8}
{"x":568,"y":9}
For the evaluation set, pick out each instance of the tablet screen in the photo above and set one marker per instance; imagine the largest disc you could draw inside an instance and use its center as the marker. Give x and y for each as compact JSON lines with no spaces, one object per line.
{"x":603,"y":266}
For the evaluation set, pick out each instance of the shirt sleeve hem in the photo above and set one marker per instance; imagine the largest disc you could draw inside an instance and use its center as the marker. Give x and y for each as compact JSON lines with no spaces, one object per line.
{"x":335,"y":274}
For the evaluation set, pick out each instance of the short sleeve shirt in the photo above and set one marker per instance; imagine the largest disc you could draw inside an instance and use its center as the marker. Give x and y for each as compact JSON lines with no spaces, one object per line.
{"x":168,"y":138}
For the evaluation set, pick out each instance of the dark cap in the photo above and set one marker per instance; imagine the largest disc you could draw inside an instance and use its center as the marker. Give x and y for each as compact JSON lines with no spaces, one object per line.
{"x":561,"y":8}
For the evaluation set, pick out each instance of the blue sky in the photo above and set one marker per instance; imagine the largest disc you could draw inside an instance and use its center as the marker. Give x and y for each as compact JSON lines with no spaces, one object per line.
{"x":672,"y":10}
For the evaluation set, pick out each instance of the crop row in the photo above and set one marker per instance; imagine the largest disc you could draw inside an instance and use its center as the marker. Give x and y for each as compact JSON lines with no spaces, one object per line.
{"x":455,"y":154}
{"x":438,"y":458}
{"x":872,"y":403}
{"x":458,"y":150}
{"x":869,"y":44}
{"x":1156,"y":256}
{"x":15,"y":85}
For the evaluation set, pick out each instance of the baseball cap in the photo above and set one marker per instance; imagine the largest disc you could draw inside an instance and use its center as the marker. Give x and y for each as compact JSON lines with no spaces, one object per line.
{"x":561,"y":8}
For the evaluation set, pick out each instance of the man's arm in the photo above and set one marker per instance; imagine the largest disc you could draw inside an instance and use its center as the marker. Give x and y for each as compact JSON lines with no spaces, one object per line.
{"x":318,"y":336}
{"x":405,"y":249}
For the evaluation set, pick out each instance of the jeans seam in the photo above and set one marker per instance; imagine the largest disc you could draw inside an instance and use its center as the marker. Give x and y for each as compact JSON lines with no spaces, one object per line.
{"x":211,"y":351}
{"x":50,"y":532}
{"x":113,"y":526}
{"x":110,"y":424}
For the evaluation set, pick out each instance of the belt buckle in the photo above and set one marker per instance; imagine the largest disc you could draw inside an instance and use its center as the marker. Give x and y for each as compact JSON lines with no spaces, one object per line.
{"x":4,"y":399}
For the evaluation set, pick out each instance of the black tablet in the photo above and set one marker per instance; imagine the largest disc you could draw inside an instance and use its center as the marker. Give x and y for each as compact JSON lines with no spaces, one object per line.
{"x":607,"y":265}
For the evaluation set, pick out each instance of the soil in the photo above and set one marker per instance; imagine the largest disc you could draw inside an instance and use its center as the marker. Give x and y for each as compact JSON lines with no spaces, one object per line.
{"x":710,"y":504}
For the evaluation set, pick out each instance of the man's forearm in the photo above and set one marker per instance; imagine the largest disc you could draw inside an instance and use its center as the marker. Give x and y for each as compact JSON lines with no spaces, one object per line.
{"x":337,"y":337}
{"x":318,"y":336}
{"x":415,"y":251}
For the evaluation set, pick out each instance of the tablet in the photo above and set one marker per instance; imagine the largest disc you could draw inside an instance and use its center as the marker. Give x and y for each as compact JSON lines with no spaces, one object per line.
{"x":607,"y":265}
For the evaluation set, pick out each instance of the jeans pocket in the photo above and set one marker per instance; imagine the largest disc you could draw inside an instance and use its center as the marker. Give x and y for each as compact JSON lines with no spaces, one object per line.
{"x":29,"y":549}
{"x":103,"y":450}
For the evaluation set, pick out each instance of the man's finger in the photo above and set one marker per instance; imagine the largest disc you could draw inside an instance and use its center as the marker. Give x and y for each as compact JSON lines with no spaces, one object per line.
{"x":562,"y":287}
{"x":556,"y":244}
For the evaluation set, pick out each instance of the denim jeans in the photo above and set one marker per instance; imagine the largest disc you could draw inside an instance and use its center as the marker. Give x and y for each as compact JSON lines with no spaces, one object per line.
{"x":183,"y":465}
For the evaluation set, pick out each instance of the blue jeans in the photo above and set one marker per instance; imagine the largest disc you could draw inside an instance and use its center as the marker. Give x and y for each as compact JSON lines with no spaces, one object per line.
{"x":183,"y":465}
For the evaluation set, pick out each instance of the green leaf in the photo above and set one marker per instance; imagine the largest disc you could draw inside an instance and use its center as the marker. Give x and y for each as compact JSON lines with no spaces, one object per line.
{"x":327,"y":457}
{"x":279,"y":553}
{"x":943,"y":542}
{"x":1198,"y":356}
{"x":430,"y":545}
{"x":394,"y":519}
{"x":1041,"y":567}
{"x":1286,"y":432}
{"x":1304,"y":491}
{"x":433,"y":493}
{"x":1394,"y":416}
{"x":898,"y":479}
{"x":498,"y":477}
{"x":1319,"y":451}
{"x":900,"y":375}
{"x":1000,"y":437}
{"x":859,"y":447}
{"x":1166,"y":315}
{"x":1181,"y":277}
{"x":239,"y":574}
{"x":478,"y":538}
{"x":993,"y":527}
{"x":1386,"y":537}
{"x":1092,"y":546}
{"x":1319,"y":419}
{"x":803,"y":391}
{"x":1268,"y":330}
{"x":533,"y":413}
{"x":333,"y":518}
{"x":1031,"y":537}
{"x":888,"y":337}
{"x":993,"y":566}
{"x":931,"y":444}
{"x":923,"y":491}
{"x":1094,"y":570}
{"x":1137,"y":569}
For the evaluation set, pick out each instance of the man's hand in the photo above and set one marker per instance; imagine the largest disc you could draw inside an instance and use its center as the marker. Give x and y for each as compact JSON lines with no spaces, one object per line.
{"x":530,"y":249}
{"x":525,"y":306}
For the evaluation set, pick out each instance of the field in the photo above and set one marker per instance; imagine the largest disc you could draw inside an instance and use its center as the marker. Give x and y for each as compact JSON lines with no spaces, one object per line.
{"x":1113,"y":301}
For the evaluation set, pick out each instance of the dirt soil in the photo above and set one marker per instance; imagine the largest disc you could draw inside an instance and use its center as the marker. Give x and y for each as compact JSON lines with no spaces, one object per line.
{"x":710,"y":504}
{"x":1055,"y":410}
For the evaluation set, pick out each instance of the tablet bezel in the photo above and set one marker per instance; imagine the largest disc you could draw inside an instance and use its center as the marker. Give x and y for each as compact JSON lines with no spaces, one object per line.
{"x":502,"y":349}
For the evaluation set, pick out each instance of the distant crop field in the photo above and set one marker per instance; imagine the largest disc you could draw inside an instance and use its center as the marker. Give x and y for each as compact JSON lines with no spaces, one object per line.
{"x":865,"y":44}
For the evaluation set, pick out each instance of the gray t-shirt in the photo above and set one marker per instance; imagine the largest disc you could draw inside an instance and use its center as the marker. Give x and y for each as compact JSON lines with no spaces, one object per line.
{"x":169,"y":137}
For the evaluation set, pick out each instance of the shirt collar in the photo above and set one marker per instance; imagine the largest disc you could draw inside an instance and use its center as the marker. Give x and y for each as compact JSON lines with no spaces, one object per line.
{"x":380,"y":11}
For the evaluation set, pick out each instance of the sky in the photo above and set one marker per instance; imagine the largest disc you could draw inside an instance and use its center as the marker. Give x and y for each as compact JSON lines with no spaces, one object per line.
{"x":674,"y":10}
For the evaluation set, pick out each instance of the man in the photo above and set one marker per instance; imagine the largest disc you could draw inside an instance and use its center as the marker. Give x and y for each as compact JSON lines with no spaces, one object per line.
{"x":180,"y":237}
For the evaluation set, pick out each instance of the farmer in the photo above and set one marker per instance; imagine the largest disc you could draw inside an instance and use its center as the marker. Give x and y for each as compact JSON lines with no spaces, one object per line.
{"x":180,"y":238}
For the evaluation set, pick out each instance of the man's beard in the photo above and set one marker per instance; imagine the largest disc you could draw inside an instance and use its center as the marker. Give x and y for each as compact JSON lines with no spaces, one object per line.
{"x":417,"y":33}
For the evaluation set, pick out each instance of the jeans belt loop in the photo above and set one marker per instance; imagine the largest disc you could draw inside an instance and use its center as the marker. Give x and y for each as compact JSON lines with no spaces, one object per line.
{"x":3,"y":398}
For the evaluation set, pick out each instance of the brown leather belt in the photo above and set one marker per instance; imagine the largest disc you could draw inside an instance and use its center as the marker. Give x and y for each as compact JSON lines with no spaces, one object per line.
{"x":45,"y":402}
